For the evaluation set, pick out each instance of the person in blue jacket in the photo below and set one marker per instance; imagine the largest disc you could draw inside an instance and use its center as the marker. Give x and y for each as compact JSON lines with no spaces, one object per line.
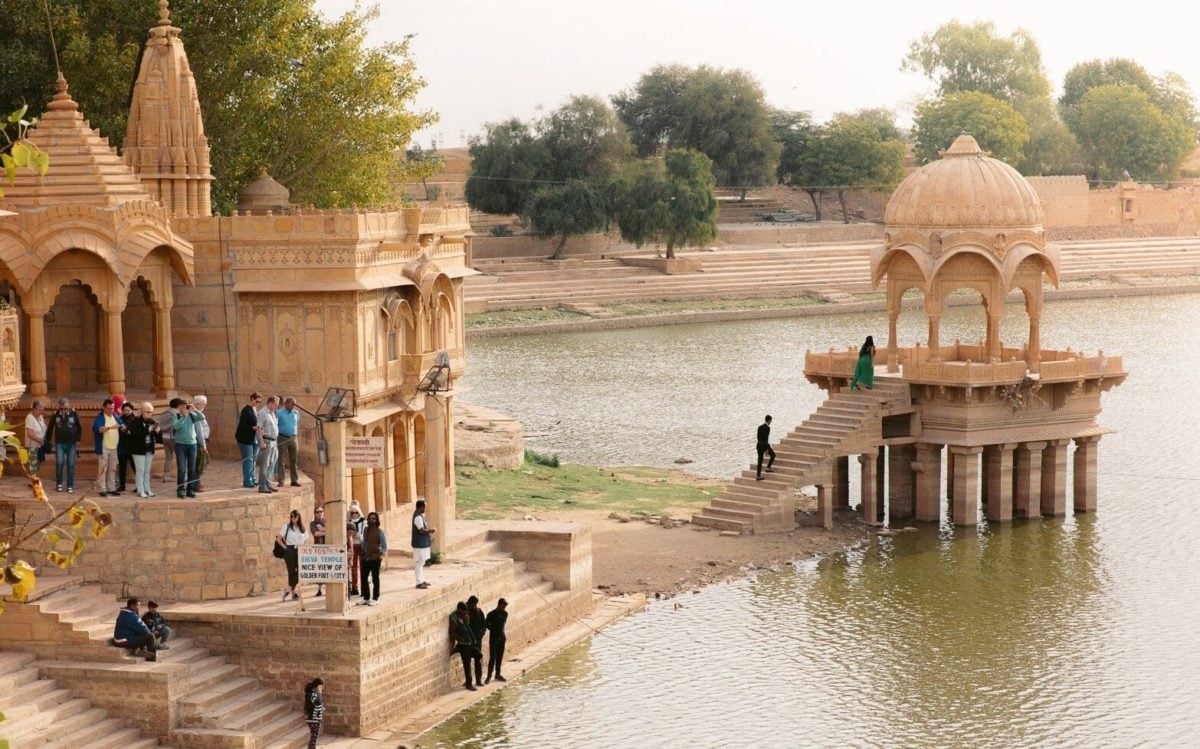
{"x":132,"y":633}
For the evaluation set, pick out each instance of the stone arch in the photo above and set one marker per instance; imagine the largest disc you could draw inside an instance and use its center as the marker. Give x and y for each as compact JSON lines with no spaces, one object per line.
{"x":884,"y":259}
{"x":403,"y":460}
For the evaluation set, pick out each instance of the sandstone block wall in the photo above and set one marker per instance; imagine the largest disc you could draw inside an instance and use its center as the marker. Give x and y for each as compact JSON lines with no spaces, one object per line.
{"x":145,"y":700}
{"x":561,"y":553}
{"x":186,"y":550}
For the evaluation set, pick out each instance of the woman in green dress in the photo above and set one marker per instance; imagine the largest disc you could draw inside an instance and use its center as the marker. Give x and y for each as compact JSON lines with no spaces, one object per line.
{"x":864,"y":370}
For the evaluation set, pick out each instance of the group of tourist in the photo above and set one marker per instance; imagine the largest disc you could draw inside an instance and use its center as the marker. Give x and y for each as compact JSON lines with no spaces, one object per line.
{"x":467,"y":627}
{"x":266,"y":436}
{"x":124,"y":435}
{"x":143,"y":634}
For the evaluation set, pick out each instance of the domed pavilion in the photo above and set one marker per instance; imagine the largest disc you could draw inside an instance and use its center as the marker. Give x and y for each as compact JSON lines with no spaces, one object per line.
{"x":1009,"y":423}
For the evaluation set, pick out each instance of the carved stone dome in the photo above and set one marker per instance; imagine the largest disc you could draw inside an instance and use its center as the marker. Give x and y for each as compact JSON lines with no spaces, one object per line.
{"x":264,"y":195}
{"x":964,"y":189}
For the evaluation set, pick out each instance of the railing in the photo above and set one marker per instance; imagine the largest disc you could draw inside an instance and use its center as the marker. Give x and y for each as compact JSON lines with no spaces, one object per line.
{"x":1081,"y":367}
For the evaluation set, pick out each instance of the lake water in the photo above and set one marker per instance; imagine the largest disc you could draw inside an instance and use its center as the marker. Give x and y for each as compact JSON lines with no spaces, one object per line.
{"x":1073,"y":632}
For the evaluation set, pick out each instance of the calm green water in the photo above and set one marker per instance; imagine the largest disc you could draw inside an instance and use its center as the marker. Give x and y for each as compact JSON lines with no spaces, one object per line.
{"x":1076,"y":632}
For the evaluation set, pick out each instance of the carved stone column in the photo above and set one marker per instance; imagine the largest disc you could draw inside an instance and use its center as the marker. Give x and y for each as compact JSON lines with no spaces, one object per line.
{"x":1085,"y":473}
{"x":998,"y":481}
{"x":935,"y":349}
{"x":893,"y":353}
{"x":928,"y":482}
{"x":1034,"y":355}
{"x":867,"y":491}
{"x":37,"y":352}
{"x":1054,"y":478}
{"x":900,"y":481}
{"x":115,"y":346}
{"x":1027,"y":479}
{"x":164,"y":350}
{"x":435,"y":485}
{"x":964,"y":509}
{"x":824,"y":506}
{"x":880,"y":483}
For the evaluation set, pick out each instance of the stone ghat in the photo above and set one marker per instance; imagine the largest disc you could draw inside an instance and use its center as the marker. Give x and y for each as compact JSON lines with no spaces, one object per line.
{"x":214,"y":547}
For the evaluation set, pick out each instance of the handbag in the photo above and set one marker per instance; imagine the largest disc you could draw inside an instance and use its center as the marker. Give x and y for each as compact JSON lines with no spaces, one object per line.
{"x":278,"y":550}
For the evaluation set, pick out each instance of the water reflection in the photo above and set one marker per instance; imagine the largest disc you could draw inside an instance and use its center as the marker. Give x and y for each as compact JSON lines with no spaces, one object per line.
{"x":1073,"y":632}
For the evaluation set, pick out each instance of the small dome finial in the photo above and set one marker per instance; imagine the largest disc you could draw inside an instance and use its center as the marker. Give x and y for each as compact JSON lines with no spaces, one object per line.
{"x":963,"y":145}
{"x":164,"y":13}
{"x":62,"y":99}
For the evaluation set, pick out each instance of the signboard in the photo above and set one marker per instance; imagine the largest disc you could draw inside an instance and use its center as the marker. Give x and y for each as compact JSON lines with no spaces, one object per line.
{"x":364,"y":452}
{"x":322,"y":564}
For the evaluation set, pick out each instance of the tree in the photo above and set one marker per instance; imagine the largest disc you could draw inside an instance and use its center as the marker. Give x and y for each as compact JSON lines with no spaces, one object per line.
{"x":564,"y":211}
{"x":999,"y":128}
{"x":420,"y":165}
{"x":880,"y":118}
{"x":852,"y":155}
{"x":962,"y":57}
{"x":1052,"y":147}
{"x":667,"y":201}
{"x":585,"y":140}
{"x":506,"y":164}
{"x":1095,"y":73}
{"x":720,"y":113}
{"x":281,"y":88}
{"x":1122,"y":130}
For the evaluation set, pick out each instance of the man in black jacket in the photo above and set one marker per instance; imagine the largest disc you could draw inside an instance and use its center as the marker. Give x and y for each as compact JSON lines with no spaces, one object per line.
{"x":496,"y":619}
{"x":64,"y":432}
{"x":462,"y":641}
{"x":764,"y":447}
{"x":478,"y":624}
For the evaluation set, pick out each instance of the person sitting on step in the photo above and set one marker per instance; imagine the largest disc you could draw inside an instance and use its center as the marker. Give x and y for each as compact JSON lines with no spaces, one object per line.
{"x":132,"y":633}
{"x":157,"y":625}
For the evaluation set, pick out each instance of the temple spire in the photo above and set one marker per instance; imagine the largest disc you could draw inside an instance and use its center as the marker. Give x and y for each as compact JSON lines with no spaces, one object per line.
{"x":165,"y":143}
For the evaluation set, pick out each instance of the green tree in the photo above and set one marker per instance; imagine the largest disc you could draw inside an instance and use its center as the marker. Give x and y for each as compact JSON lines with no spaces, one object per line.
{"x":419,"y":165}
{"x":720,"y":113}
{"x":1085,"y":76}
{"x":999,"y":128}
{"x":585,"y":140}
{"x":798,"y":167}
{"x":281,"y":87}
{"x":667,"y":201}
{"x":963,"y":57}
{"x":506,"y":165}
{"x":1052,"y":147}
{"x":564,"y":211}
{"x":880,"y":118}
{"x":1122,"y":130}
{"x":851,"y":155}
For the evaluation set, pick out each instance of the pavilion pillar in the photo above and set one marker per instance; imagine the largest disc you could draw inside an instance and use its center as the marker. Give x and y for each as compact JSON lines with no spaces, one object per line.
{"x":1027,"y":479}
{"x":164,"y":350}
{"x":935,"y":349}
{"x":1033,"y":357}
{"x":928,"y":482}
{"x":880,"y":483}
{"x":435,"y":485}
{"x":841,"y":482}
{"x":950,"y":475}
{"x":993,"y":336}
{"x":1085,"y":473}
{"x":964,"y":509}
{"x":102,"y":347}
{"x":1054,"y":478}
{"x":869,"y":499}
{"x":900,"y":481}
{"x":114,"y":345}
{"x":998,"y":482}
{"x":893,"y":354}
{"x":37,"y":352}
{"x":824,"y":507}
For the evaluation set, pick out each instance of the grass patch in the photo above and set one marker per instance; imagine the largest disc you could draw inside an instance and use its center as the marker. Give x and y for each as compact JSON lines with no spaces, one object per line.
{"x":534,"y":488}
{"x":638,"y":309}
{"x":505,"y":317}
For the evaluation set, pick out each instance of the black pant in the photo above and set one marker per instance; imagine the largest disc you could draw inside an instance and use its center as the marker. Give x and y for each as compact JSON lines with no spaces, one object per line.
{"x":141,"y":642}
{"x":477,"y":659}
{"x":495,"y":655}
{"x":291,"y":558}
{"x":368,"y":572}
{"x":466,"y":652}
{"x":764,"y":449}
{"x":124,"y":463}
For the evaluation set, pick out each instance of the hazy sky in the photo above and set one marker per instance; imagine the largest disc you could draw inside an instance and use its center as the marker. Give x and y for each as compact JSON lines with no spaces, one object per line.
{"x":492,"y":59}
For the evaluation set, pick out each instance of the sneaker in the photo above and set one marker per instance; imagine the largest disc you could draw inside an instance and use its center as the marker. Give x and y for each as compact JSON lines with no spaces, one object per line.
{"x":488,"y":680}
{"x":363,"y":602}
{"x":758,"y":478}
{"x":285,"y":595}
{"x":152,"y":656}
{"x":319,"y":594}
{"x":500,"y":678}
{"x":470,"y":687}
{"x":70,"y":490}
{"x":295,"y":483}
{"x":295,"y":596}
{"x":423,"y":586}
{"x":191,"y":495}
{"x":164,"y":647}
{"x":58,"y":488}
{"x":150,"y":494}
{"x":179,"y":495}
{"x":373,"y":602}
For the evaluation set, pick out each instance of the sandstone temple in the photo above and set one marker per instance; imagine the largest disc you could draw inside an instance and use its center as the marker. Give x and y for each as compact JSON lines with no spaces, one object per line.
{"x":117,"y":278}
{"x":994,"y":430}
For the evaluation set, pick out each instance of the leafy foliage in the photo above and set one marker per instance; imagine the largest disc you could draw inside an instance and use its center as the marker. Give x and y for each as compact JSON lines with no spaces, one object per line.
{"x":1121,"y":129}
{"x":851,"y":154}
{"x":880,"y":118}
{"x":281,"y":87}
{"x":16,"y":152}
{"x":668,"y":201}
{"x":963,"y":57}
{"x":999,"y":128}
{"x":1085,"y":76}
{"x":419,"y":165}
{"x":506,"y":163}
{"x":564,"y":211}
{"x":720,"y":113}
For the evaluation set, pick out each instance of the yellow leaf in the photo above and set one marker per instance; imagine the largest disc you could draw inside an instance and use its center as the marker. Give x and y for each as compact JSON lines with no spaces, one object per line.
{"x":42,"y":159}
{"x":77,"y":516}
{"x":53,"y":538}
{"x":39,"y":492}
{"x":10,"y":167}
{"x":22,"y":577}
{"x":62,"y":561}
{"x":100,"y":524}
{"x":20,"y":154}
{"x":77,"y":548}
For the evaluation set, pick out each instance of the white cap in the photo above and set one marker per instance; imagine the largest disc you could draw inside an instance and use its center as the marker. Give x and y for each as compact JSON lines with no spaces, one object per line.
{"x":356,"y":507}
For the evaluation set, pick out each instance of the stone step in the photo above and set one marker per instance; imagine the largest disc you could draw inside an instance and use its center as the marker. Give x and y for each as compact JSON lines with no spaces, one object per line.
{"x":13,"y":662}
{"x":108,"y":733}
{"x":48,"y":708}
{"x":43,"y":728}
{"x":725,"y":524}
{"x":287,"y":732}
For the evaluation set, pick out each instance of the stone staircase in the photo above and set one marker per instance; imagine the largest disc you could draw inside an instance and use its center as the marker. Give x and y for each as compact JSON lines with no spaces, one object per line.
{"x":216,"y":704}
{"x":844,"y":423}
{"x":39,"y":713}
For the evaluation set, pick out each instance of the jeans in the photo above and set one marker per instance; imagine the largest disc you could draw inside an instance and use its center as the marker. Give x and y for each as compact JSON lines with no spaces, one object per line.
{"x":185,"y":467}
{"x":106,"y":470}
{"x":141,"y":472}
{"x":65,"y":454}
{"x":163,"y":633}
{"x":370,"y":574}
{"x":287,"y":449}
{"x":266,"y":460}
{"x":249,"y":457}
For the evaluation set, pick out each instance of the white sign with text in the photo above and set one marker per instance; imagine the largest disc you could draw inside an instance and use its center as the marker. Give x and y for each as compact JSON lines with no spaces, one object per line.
{"x":364,"y":452}
{"x":322,"y":564}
